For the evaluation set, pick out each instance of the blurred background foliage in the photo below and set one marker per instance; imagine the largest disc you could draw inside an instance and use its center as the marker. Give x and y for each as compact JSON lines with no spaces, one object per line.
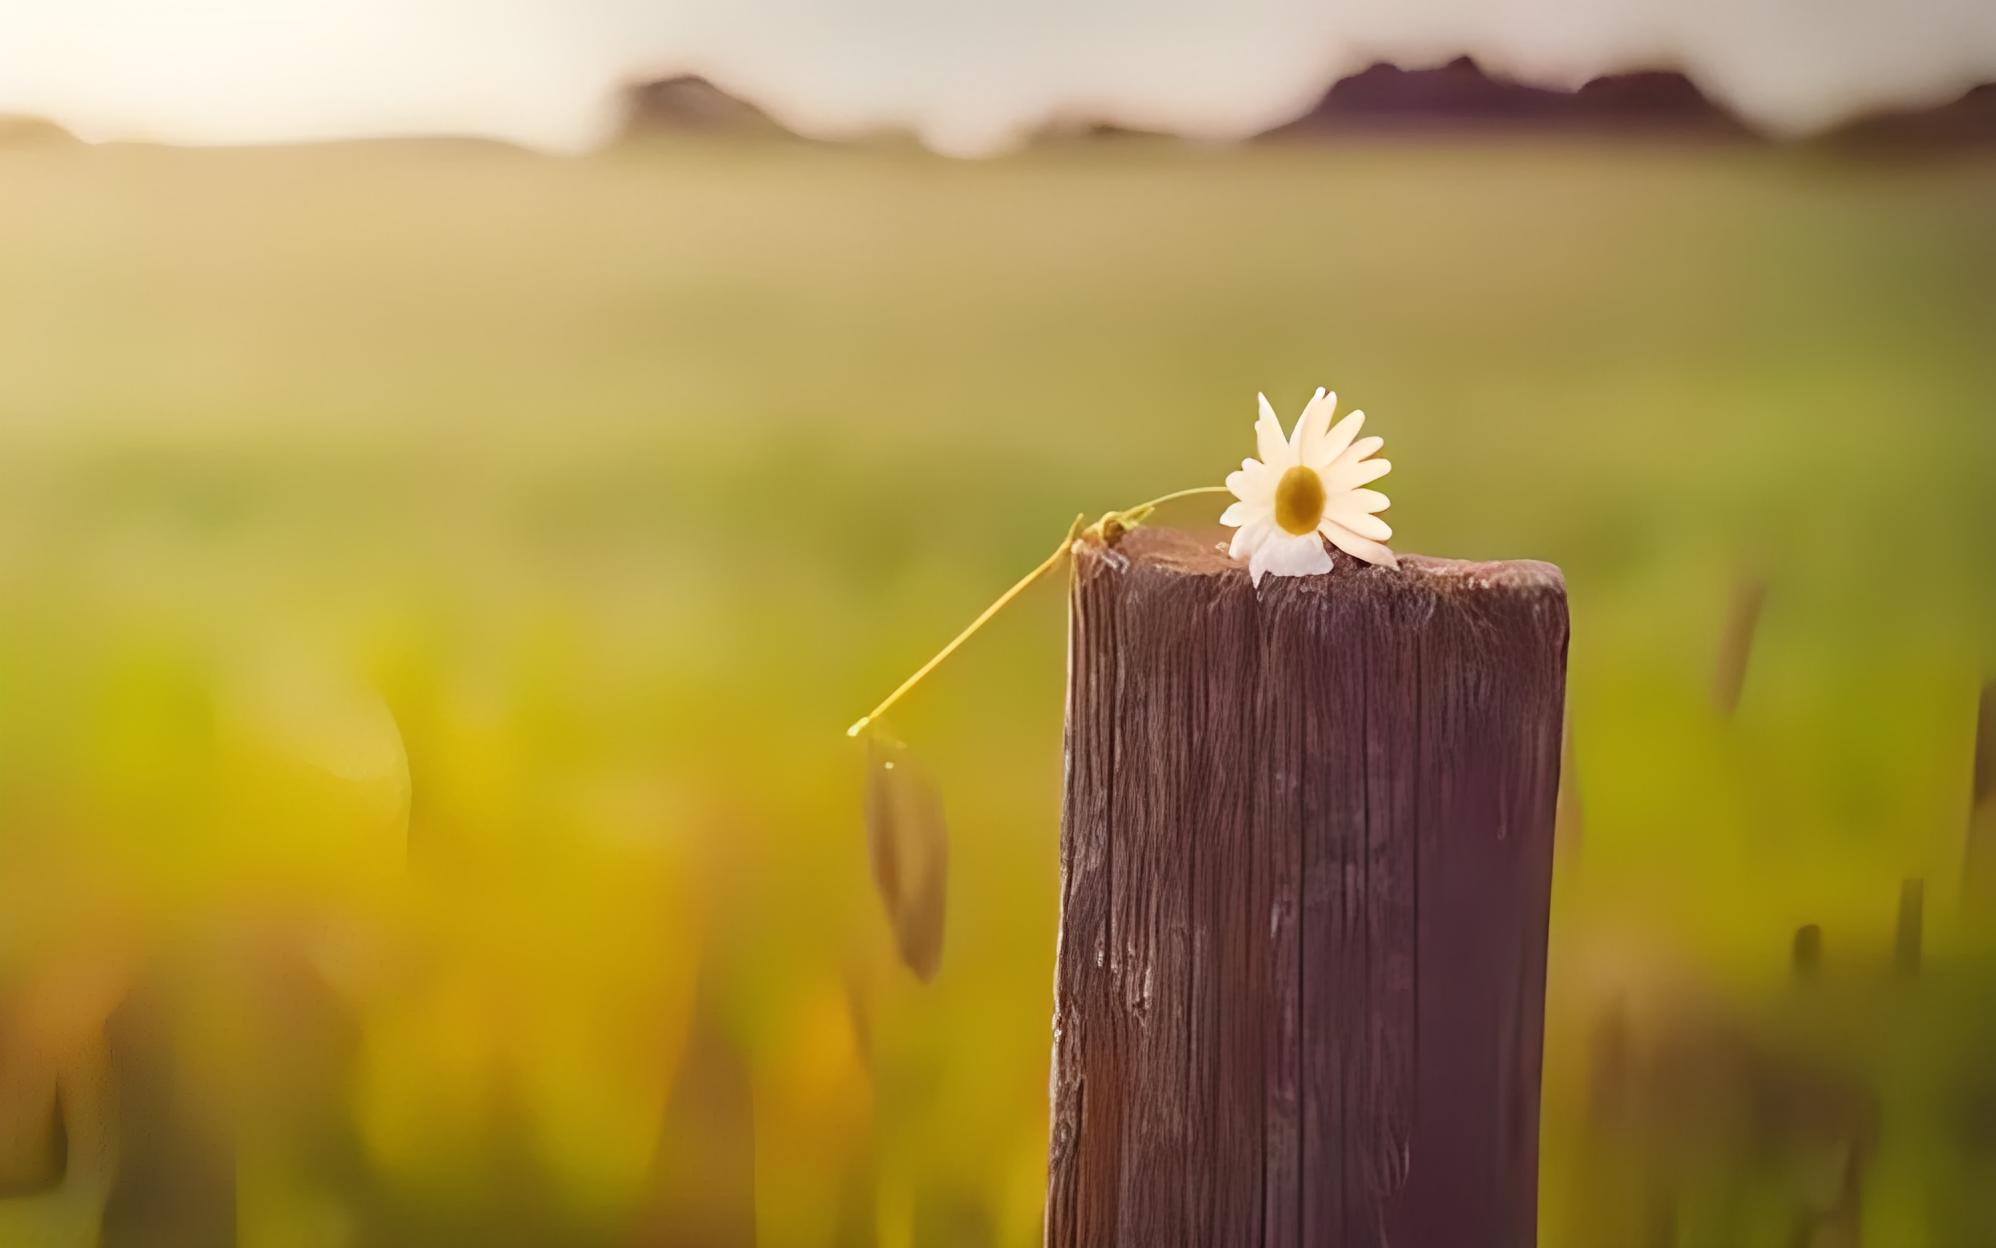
{"x":434,"y":578}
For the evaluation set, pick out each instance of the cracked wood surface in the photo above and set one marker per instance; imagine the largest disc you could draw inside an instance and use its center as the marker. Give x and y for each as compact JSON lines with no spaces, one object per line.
{"x":1305,"y":870}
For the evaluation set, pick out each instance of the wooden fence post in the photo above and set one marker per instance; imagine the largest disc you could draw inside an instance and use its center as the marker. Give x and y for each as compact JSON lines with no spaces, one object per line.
{"x":1305,"y":870}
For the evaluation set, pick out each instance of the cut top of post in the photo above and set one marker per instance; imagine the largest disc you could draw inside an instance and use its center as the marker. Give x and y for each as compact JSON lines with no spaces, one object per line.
{"x":1177,"y":552}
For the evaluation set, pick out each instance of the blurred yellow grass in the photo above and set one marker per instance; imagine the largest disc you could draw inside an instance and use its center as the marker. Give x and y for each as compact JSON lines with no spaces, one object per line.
{"x":456,"y":566}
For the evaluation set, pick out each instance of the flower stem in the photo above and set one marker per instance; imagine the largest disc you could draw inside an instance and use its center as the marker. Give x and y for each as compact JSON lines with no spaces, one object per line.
{"x":1130,"y":516}
{"x":1100,"y":531}
{"x":1047,"y":565}
{"x":1175,"y":495}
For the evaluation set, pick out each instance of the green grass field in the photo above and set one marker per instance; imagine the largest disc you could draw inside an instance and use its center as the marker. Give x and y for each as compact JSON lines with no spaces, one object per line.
{"x":559,"y":514}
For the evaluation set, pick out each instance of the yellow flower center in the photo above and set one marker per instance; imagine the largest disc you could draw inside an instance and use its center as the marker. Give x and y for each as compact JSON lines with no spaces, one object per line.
{"x":1299,"y":500}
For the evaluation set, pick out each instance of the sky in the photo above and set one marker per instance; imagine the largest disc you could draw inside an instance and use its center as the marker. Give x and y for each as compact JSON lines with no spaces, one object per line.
{"x":969,"y":77}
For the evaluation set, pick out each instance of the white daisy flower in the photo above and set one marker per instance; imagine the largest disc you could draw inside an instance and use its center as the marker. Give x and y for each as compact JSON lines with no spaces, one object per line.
{"x":1307,"y":489}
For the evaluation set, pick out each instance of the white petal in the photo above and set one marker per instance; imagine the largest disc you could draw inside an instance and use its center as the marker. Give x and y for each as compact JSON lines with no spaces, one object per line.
{"x":1268,"y":440}
{"x":1352,"y":455}
{"x":1333,"y":444}
{"x":1357,"y":547}
{"x":1311,"y":424}
{"x":1365,"y":500}
{"x":1248,"y":512}
{"x":1248,"y":538}
{"x":1253,"y":482}
{"x":1343,"y":511}
{"x":1350,"y":474}
{"x":1258,"y":563}
{"x":1297,"y":555}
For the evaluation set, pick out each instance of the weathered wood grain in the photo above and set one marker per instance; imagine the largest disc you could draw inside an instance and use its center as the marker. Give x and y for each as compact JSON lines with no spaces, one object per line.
{"x":1305,"y":873}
